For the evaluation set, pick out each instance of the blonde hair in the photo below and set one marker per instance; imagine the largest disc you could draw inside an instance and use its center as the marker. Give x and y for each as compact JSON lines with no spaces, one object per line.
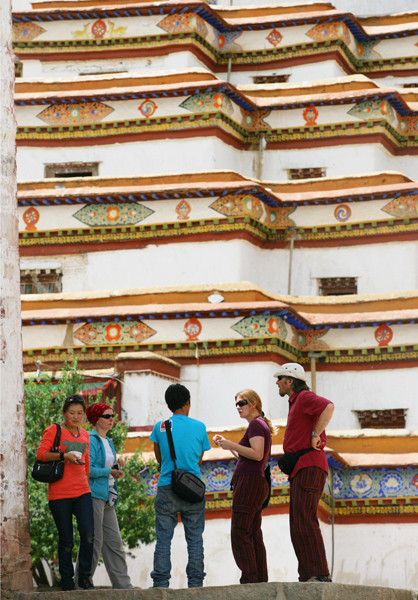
{"x":254,"y":400}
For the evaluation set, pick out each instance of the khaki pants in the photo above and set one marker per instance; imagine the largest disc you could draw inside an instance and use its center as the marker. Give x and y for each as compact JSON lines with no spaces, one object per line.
{"x":108,"y":543}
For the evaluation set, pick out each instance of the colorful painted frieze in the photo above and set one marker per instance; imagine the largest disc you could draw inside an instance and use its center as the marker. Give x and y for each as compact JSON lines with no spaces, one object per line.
{"x":261,"y":326}
{"x":365,"y":50}
{"x":330,"y":31}
{"x":255,"y":119}
{"x":184,"y":23}
{"x":26,"y":32}
{"x":128,"y":213}
{"x":373,"y":109}
{"x":100,"y":29}
{"x":237,"y":205}
{"x":401,"y":482}
{"x":309,"y":339}
{"x":225,"y":41}
{"x":207,"y":101}
{"x":75,"y":114}
{"x":404,"y":206}
{"x":279,"y":217}
{"x":115,"y":332}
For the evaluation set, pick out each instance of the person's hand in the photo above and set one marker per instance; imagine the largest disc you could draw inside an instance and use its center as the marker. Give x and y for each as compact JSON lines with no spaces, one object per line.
{"x":73,"y":459}
{"x":225,"y":444}
{"x":217,"y":438}
{"x":116,"y":473}
{"x":316,"y":442}
{"x":121,"y":462}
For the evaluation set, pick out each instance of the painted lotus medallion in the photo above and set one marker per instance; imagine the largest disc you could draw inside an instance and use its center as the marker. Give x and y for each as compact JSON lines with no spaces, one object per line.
{"x":128,"y":213}
{"x":75,"y":114}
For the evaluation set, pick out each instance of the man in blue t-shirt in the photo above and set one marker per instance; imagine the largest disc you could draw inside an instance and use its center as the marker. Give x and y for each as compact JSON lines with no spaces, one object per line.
{"x":190,"y":441}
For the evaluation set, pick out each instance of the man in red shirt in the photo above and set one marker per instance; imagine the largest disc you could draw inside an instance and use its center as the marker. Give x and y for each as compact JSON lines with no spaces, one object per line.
{"x":309,"y":414}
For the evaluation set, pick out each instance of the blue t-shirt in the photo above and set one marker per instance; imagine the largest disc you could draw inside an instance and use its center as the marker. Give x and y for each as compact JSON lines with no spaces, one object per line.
{"x":190,"y":440}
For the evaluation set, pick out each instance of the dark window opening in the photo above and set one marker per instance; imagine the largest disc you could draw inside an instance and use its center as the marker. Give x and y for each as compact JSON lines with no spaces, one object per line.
{"x":309,"y":173}
{"x":337,"y":286}
{"x":40,"y":281}
{"x":260,"y":79}
{"x":392,"y":418}
{"x":62,"y":170}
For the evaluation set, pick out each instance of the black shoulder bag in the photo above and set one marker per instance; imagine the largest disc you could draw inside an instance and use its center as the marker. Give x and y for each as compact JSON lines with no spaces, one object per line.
{"x":288,"y":461}
{"x":267,"y":475}
{"x":52,"y":470}
{"x":184,"y":484}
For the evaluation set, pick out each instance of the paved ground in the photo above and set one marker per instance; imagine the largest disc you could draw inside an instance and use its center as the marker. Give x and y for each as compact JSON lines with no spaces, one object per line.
{"x":261,"y":591}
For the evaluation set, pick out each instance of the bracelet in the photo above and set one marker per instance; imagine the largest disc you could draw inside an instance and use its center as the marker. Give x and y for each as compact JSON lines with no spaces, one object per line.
{"x":313,"y":434}
{"x":61,"y":455}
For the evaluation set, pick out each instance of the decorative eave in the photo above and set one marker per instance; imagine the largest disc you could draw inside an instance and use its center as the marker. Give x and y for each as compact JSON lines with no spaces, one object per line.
{"x":216,"y":57}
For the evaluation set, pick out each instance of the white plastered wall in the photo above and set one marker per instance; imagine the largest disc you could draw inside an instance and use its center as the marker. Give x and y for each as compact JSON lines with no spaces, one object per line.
{"x":213,"y":388}
{"x":375,"y":266}
{"x":143,"y":398}
{"x":381,"y":554}
{"x":210,"y":153}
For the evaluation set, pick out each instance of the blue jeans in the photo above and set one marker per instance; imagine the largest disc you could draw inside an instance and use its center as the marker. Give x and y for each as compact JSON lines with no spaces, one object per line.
{"x":63,"y":510}
{"x":167,"y":506}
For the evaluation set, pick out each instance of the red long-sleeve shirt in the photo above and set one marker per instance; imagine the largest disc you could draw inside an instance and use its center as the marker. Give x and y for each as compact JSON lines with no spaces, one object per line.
{"x":304,"y":411}
{"x":74,"y":482}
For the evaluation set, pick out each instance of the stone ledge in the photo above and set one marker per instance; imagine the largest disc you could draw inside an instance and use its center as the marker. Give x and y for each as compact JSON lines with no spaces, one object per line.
{"x":261,"y":591}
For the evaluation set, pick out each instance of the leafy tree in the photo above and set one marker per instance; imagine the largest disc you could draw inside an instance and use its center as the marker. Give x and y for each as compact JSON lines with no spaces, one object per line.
{"x":43,"y":406}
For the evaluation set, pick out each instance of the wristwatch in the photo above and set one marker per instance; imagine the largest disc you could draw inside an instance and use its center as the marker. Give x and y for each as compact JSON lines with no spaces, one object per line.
{"x":61,"y":455}
{"x":313,"y":434}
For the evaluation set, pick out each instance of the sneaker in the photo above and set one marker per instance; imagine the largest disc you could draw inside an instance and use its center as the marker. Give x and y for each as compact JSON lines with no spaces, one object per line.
{"x":68,"y":586}
{"x":320,"y":579}
{"x":84,"y":583}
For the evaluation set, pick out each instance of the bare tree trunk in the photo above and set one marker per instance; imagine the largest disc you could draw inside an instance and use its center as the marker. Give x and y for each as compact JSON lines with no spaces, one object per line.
{"x":15,"y":541}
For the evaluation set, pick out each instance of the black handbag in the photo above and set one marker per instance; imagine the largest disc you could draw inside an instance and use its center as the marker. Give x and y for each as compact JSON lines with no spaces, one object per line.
{"x":267,"y":475}
{"x":288,"y":461}
{"x":52,"y":470}
{"x":184,"y":484}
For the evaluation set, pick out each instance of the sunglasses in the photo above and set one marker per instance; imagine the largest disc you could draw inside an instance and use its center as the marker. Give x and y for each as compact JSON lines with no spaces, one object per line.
{"x":241,"y":403}
{"x":112,"y":416}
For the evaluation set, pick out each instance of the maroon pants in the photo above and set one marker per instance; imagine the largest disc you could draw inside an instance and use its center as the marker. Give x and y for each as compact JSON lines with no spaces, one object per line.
{"x":248,"y":549}
{"x":305,"y":492}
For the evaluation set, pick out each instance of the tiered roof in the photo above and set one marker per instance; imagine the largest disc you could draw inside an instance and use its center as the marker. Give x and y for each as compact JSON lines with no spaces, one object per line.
{"x":271,"y":36}
{"x":122,"y":108}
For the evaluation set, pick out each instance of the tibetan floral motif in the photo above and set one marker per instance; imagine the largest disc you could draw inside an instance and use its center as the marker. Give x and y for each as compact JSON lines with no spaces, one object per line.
{"x":183,"y":209}
{"x":121,"y":332}
{"x":26,"y":32}
{"x":310,"y":114}
{"x":207,"y":101}
{"x":98,"y":29}
{"x":274,"y":37}
{"x":238,"y":205}
{"x":219,"y":477}
{"x":75,"y":114}
{"x":31,"y":217}
{"x":278,"y":217}
{"x":392,"y":483}
{"x":261,"y":326}
{"x":404,"y":206}
{"x":127,"y":213}
{"x":383,"y":335}
{"x":409,"y":125}
{"x":342,"y":213}
{"x":364,"y":50}
{"x":192,"y":329}
{"x":185,"y":23}
{"x":309,"y":339}
{"x":373,"y":109}
{"x":361,"y":484}
{"x":330,"y":31}
{"x":148,"y":108}
{"x":255,"y":119}
{"x":225,"y":41}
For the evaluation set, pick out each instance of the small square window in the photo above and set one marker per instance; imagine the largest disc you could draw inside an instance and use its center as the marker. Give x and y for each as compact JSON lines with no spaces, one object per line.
{"x":391,"y":418}
{"x":40,"y":281}
{"x":308,"y":173}
{"x":337,"y":286}
{"x":71,"y":170}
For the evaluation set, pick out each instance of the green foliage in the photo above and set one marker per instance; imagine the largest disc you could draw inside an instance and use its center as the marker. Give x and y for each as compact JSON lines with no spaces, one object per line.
{"x":43,"y":406}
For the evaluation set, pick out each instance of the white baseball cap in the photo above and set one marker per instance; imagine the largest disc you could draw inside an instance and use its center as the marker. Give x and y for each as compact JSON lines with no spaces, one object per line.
{"x":294,"y":370}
